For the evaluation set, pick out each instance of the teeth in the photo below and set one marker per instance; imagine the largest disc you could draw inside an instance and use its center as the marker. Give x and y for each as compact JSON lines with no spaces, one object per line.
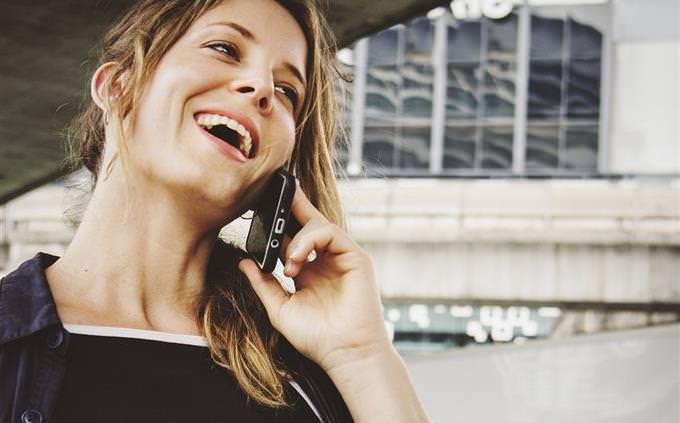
{"x":241,"y":130}
{"x":208,"y":120}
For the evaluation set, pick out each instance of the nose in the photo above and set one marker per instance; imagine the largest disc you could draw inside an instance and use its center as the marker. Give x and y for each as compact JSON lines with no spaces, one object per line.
{"x":259,"y":90}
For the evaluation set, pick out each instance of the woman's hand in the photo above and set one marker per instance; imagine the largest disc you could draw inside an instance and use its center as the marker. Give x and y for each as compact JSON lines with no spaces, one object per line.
{"x":335,"y":317}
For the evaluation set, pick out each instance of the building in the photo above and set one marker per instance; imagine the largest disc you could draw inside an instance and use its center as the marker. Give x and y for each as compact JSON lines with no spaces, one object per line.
{"x":516,"y":174}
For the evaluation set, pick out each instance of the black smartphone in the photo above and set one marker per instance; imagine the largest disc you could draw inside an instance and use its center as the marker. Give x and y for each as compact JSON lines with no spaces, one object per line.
{"x":271,"y":219}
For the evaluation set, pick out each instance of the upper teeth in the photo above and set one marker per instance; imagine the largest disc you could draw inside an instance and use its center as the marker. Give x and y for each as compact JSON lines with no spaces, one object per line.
{"x":209,"y":120}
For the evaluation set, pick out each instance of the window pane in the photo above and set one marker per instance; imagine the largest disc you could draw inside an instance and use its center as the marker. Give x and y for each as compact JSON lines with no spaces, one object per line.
{"x":585,"y":42}
{"x":345,"y":61}
{"x":581,"y":148}
{"x":464,"y":42}
{"x":416,"y":95}
{"x":461,"y":91}
{"x":542,"y":151}
{"x":417,"y":71}
{"x":502,"y":35}
{"x":379,"y":148}
{"x":497,"y":148}
{"x":546,"y":38}
{"x":545,"y":88}
{"x":499,"y":88}
{"x":382,"y":93}
{"x":419,"y":38}
{"x":346,"y":65}
{"x":414,"y":148}
{"x":459,"y":148}
{"x":383,"y":48}
{"x":583,"y":92}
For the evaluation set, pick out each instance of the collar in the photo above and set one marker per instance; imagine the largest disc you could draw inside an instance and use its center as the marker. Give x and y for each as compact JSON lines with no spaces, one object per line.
{"x":26,"y":303}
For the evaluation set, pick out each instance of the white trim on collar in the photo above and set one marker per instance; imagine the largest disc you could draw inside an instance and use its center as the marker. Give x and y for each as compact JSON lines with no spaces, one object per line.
{"x":175,"y":338}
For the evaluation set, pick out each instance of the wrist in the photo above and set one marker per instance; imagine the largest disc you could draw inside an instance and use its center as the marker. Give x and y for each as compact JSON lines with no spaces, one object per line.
{"x":349,"y":359}
{"x":372,"y":363}
{"x":377,"y":388}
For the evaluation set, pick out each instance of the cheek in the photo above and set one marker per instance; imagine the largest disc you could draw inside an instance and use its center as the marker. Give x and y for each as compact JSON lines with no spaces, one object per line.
{"x":287,"y":141}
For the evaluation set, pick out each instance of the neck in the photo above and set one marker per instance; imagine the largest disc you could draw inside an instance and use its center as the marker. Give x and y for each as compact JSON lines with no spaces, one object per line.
{"x":143,"y":266}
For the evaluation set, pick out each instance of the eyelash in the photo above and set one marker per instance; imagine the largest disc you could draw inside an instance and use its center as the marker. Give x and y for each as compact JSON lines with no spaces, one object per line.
{"x":227,"y":49}
{"x":290,"y":93}
{"x":233,"y":52}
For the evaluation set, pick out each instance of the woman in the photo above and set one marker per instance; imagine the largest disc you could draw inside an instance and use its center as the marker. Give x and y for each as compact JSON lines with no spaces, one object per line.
{"x":117,"y":328}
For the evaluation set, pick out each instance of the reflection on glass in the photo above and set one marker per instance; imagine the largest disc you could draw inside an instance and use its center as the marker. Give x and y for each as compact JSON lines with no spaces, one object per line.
{"x":417,"y":70}
{"x":384,"y":48}
{"x":459,"y":147}
{"x":502,"y":34}
{"x":583,"y":90}
{"x":585,"y":42}
{"x":542,"y":149}
{"x":581,"y":148}
{"x":414,"y":148}
{"x":461,"y":91}
{"x":545,"y":89}
{"x":481,"y":72}
{"x":499,"y":89}
{"x":464,"y":42}
{"x":399,"y":87}
{"x":500,"y":70}
{"x":378,"y":147}
{"x":419,"y":34}
{"x":346,"y":66}
{"x":382,"y":93}
{"x":546,"y":38}
{"x":496,"y":152}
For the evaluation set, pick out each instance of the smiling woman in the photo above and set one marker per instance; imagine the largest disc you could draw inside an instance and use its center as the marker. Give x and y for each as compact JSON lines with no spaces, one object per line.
{"x":195,"y":104}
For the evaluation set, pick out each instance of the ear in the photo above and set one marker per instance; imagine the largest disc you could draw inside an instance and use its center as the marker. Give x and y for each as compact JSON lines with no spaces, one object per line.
{"x":98,"y":85}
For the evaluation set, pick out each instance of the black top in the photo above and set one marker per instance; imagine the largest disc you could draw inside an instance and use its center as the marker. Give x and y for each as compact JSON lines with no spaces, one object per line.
{"x":117,"y":379}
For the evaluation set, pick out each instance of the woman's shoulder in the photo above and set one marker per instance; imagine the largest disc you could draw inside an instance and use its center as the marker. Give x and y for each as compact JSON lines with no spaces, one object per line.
{"x":26,"y":303}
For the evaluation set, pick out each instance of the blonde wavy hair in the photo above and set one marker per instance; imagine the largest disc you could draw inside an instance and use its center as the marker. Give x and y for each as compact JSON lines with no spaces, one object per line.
{"x":234,"y":322}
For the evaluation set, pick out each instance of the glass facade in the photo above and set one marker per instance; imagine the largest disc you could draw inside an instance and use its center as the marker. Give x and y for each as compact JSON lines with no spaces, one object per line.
{"x":564,"y":94}
{"x":447,"y":96}
{"x":399,"y":87}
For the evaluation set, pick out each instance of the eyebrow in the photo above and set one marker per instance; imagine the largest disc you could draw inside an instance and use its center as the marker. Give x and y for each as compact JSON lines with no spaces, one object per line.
{"x":249,"y":36}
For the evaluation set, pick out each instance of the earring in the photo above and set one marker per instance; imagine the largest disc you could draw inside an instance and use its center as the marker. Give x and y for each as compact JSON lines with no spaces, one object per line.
{"x":106,"y":117}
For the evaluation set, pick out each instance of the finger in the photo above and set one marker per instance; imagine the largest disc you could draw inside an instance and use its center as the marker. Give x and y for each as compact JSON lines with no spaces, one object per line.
{"x":303,"y":209}
{"x":266,"y":287}
{"x":285,"y":242}
{"x":316,"y":240}
{"x":290,"y":265}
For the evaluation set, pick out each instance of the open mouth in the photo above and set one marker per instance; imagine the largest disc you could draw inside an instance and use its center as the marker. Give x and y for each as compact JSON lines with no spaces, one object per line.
{"x":229,"y":131}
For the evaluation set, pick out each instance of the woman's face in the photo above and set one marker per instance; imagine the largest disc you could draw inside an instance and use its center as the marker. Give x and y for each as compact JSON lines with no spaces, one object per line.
{"x":218,"y":116}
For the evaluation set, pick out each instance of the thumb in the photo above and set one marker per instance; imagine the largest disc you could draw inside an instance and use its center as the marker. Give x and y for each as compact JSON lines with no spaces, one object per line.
{"x":266,"y":287}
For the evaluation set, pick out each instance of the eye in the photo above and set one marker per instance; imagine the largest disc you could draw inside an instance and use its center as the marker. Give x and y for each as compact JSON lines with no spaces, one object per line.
{"x":227,"y":49}
{"x":290,"y":93}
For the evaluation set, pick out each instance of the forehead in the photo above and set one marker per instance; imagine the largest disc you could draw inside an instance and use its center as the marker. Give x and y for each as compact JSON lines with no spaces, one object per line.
{"x":272,"y":26}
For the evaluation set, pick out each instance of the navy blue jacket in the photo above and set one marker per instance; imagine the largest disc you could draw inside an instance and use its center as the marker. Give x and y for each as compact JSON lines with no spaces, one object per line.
{"x":33,"y":346}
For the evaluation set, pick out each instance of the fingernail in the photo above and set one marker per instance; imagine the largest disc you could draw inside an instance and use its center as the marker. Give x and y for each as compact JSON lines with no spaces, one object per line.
{"x":311,"y":257}
{"x":288,"y":268}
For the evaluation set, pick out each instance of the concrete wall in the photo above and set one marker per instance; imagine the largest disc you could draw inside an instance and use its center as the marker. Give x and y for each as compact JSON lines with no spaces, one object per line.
{"x":471,"y":240}
{"x":645,"y":88}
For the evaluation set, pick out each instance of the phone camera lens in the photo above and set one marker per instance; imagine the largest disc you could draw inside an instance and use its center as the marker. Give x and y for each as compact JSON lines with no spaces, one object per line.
{"x":274,"y":243}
